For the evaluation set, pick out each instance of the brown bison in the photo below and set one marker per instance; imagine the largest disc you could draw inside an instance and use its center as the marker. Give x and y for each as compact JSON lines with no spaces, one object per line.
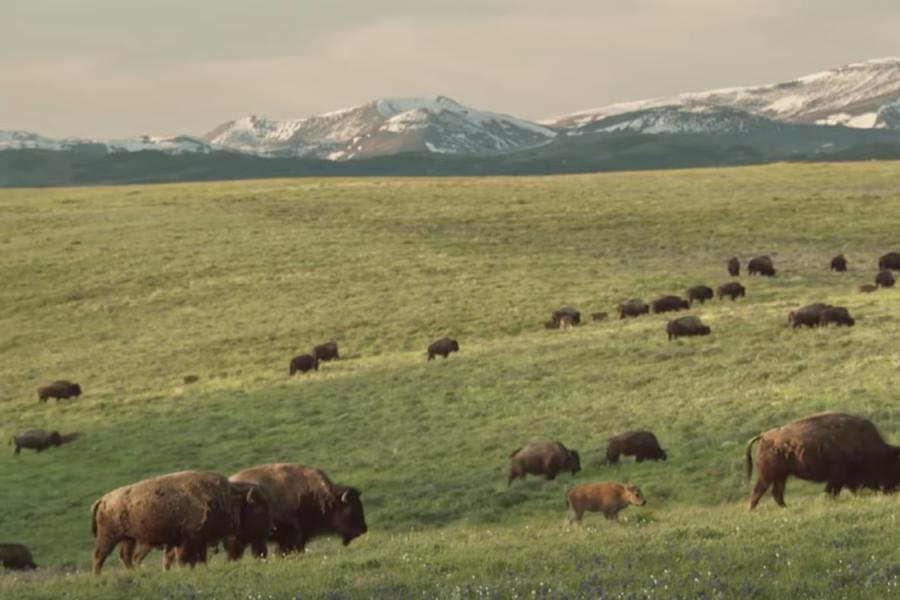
{"x":699,"y":292}
{"x":837,"y":315}
{"x":866,"y":288}
{"x":734,"y":266}
{"x":40,"y":439}
{"x":566,"y":311}
{"x":303,"y":363}
{"x":686,"y":326}
{"x":442,"y":347}
{"x":891,"y":261}
{"x":306,"y":504}
{"x":761,"y":265}
{"x":608,"y":498}
{"x":669,"y":304}
{"x":325,"y":352}
{"x":599,"y":316}
{"x":640,"y":444}
{"x":732,"y":290}
{"x":884,"y":279}
{"x":839,"y":449}
{"x":809,"y":315}
{"x":839,"y":263}
{"x":633,"y":308}
{"x":16,"y":557}
{"x":189,"y":510}
{"x":542,"y":458}
{"x":60,"y":389}
{"x":189,"y":379}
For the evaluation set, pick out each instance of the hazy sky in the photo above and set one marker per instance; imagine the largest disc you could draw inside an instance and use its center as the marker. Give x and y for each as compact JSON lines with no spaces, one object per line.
{"x":127,"y":67}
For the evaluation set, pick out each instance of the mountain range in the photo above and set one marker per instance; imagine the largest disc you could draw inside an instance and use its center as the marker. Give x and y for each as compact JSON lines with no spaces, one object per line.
{"x":848,"y":112}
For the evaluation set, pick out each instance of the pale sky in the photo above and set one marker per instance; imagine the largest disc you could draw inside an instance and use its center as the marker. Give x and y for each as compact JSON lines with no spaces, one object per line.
{"x":106,"y":68}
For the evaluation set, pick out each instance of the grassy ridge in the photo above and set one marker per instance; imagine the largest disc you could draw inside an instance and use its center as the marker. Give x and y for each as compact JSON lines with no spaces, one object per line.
{"x":127,"y":289}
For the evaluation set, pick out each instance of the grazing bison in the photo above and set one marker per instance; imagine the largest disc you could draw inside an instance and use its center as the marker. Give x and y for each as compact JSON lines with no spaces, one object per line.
{"x":566,"y":311}
{"x":669,"y":304}
{"x":867,"y":288}
{"x":60,"y":389}
{"x":40,"y":439}
{"x":839,"y":263}
{"x":640,"y":444}
{"x":189,"y":510}
{"x":734,"y":266}
{"x":306,"y":504}
{"x":599,"y":316}
{"x":442,"y":347}
{"x":701,"y":293}
{"x":891,"y":261}
{"x":809,"y":315}
{"x":733,"y":290}
{"x":325,"y":352}
{"x":542,"y":458}
{"x":686,"y":326}
{"x":839,"y":449}
{"x":16,"y":557}
{"x":608,"y":498}
{"x":761,"y":265}
{"x":189,"y":379}
{"x":884,"y":279}
{"x":303,"y":363}
{"x":837,"y":315}
{"x":633,"y":308}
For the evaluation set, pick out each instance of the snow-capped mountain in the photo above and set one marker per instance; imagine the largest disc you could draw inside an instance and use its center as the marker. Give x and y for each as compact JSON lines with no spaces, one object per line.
{"x":19,"y":140}
{"x":387,"y":126}
{"x":853,"y":95}
{"x":679,"y":119}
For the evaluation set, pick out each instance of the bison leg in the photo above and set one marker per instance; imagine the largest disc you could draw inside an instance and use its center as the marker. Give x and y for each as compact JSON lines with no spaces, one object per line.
{"x":234,"y":547}
{"x":260,"y":549}
{"x":18,"y":450}
{"x":574,"y":516}
{"x":758,"y":490}
{"x":778,"y":491}
{"x":104,"y":547}
{"x":126,"y":552}
{"x":833,"y":489}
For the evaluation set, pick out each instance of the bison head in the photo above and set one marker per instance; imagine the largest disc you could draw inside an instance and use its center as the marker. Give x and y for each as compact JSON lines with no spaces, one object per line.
{"x":574,"y":462}
{"x":634,"y":496}
{"x":347,"y":516}
{"x":76,"y":390}
{"x":56,"y":439}
{"x":454,"y":346}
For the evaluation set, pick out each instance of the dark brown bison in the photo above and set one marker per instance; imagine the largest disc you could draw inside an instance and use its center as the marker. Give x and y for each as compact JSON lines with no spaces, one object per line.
{"x":761,"y":265}
{"x":732,"y":290}
{"x":809,"y":315}
{"x":837,"y":315}
{"x":686,"y":326}
{"x":303,"y":363}
{"x":542,"y":458}
{"x":669,"y":304}
{"x":306,"y":505}
{"x":891,"y":261}
{"x":640,"y":444}
{"x":884,"y":279}
{"x":734,"y":266}
{"x":839,"y":263}
{"x":867,"y":288}
{"x":325,"y":352}
{"x":189,"y":510}
{"x":633,"y":308}
{"x":189,"y":379}
{"x":701,"y":293}
{"x":59,"y":389}
{"x":566,"y":311}
{"x":442,"y":347}
{"x":40,"y":439}
{"x":608,"y":498}
{"x":839,"y":449}
{"x":599,"y":316}
{"x":16,"y":557}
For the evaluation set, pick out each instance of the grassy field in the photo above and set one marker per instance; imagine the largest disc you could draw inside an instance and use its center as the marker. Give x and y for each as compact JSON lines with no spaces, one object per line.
{"x":128,"y":289}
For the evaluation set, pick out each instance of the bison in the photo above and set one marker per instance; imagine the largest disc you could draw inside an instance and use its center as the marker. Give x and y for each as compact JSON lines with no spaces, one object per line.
{"x":686,"y":326}
{"x":699,"y":292}
{"x":40,"y":439}
{"x":839,"y":263}
{"x":837,"y":315}
{"x":442,"y":347}
{"x":188,"y":510}
{"x":325,"y":352}
{"x":734,"y":266}
{"x":16,"y":557}
{"x":867,"y":288}
{"x":761,"y":265}
{"x":566,"y":311}
{"x":633,"y":308}
{"x":60,"y":389}
{"x":306,"y":504}
{"x":884,"y":279}
{"x":732,"y":290}
{"x":303,"y":363}
{"x":809,"y":315}
{"x":608,"y":498}
{"x":542,"y":458}
{"x":890,"y":261}
{"x":599,"y":316}
{"x":640,"y":444}
{"x":839,"y":449}
{"x":669,"y":304}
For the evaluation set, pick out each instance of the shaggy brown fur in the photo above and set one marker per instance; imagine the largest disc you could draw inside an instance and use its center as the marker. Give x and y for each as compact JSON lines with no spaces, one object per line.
{"x":839,"y":263}
{"x":566,"y":311}
{"x":608,"y":498}
{"x":643,"y":445}
{"x":884,"y":279}
{"x":837,"y":315}
{"x":761,"y":265}
{"x":327,"y":351}
{"x":669,"y":304}
{"x":303,"y":363}
{"x":809,"y":315}
{"x":542,"y":458}
{"x":442,"y":347}
{"x":891,"y":261}
{"x":36,"y":439}
{"x":733,"y":290}
{"x":699,"y":292}
{"x":60,"y":389}
{"x":633,"y":308}
{"x":686,"y":326}
{"x":734,"y":266}
{"x":16,"y":557}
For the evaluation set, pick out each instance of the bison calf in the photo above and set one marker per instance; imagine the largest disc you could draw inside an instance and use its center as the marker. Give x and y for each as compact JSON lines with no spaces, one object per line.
{"x":16,"y":557}
{"x":608,"y":498}
{"x":839,"y":263}
{"x":867,"y":288}
{"x":884,"y":279}
{"x":761,"y":265}
{"x":303,"y":363}
{"x":699,"y":292}
{"x":542,"y":458}
{"x":442,"y":347}
{"x":643,"y":445}
{"x":60,"y":389}
{"x":732,"y":290}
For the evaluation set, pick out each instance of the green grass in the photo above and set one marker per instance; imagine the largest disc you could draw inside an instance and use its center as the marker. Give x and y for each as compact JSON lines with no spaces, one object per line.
{"x":127,"y":289}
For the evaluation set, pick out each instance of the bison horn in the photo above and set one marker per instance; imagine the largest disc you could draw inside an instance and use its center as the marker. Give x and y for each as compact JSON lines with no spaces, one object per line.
{"x":345,"y":496}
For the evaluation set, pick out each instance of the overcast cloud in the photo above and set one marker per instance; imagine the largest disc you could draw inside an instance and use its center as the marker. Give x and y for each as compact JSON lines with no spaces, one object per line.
{"x":128,"y":67}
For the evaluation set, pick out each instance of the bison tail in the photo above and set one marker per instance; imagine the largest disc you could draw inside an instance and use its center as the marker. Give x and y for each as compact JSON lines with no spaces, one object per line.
{"x":748,"y":455}
{"x":94,"y":508}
